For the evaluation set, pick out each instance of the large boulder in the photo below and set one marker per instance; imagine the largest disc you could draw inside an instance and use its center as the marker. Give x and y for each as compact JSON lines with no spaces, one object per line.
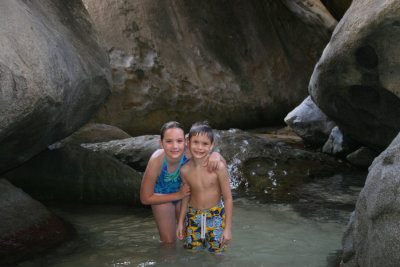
{"x":73,"y":173}
{"x":54,"y":75}
{"x":235,"y":63}
{"x":357,"y":80}
{"x":26,"y":226}
{"x":372,"y":237}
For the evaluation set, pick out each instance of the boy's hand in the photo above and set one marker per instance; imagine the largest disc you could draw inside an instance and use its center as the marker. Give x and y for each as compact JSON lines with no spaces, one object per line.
{"x":184,"y":190}
{"x":180,"y":232}
{"x":226,"y":237}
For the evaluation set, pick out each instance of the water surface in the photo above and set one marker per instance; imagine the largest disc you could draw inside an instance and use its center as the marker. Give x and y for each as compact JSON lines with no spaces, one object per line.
{"x":306,"y":233}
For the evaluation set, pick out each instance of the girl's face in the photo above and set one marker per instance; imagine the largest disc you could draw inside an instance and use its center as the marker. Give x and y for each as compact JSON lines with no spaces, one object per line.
{"x":173,"y":142}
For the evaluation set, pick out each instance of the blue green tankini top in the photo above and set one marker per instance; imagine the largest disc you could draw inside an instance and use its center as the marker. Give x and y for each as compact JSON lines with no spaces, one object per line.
{"x":169,"y":182}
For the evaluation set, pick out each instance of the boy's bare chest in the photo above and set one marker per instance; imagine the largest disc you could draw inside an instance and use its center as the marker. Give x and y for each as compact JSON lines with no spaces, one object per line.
{"x":203,"y":180}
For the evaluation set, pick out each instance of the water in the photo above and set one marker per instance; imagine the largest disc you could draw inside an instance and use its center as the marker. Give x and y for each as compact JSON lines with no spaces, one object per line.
{"x":264,"y":234}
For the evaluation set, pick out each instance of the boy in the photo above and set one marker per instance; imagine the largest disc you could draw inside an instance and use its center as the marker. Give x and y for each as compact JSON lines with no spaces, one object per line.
{"x":208,"y":222}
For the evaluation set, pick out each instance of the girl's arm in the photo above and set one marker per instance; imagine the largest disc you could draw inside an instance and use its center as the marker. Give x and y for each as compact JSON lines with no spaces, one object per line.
{"x":223,"y":178}
{"x":153,"y":170}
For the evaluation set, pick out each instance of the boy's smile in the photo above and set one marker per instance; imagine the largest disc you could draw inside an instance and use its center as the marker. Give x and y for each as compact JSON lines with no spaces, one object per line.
{"x":200,"y":145}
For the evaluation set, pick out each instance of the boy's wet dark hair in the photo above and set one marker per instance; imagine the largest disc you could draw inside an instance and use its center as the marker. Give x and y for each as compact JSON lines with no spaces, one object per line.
{"x":169,"y":125}
{"x":202,"y":128}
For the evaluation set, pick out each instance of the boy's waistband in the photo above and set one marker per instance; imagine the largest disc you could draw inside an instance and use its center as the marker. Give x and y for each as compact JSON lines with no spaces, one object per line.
{"x":218,"y":206}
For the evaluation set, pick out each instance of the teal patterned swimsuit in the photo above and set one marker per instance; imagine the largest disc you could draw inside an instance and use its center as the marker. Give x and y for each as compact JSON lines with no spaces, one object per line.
{"x":169,"y":183}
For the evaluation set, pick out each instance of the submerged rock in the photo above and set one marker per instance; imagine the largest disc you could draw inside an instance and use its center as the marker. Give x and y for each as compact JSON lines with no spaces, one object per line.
{"x":26,"y":226}
{"x":356,"y":82}
{"x":73,"y":173}
{"x":233,"y":63}
{"x":372,"y":237}
{"x":54,"y":75}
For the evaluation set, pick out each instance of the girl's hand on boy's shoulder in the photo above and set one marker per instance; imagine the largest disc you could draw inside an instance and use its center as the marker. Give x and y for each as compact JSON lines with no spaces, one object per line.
{"x":212,"y":161}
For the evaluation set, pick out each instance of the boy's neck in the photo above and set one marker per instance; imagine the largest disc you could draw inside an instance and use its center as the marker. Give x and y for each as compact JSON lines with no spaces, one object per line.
{"x":199,"y":161}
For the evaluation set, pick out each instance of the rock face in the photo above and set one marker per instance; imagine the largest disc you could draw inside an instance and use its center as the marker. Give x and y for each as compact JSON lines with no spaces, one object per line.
{"x":26,"y":226}
{"x":235,"y":63}
{"x":357,"y":80}
{"x":54,"y":74}
{"x":372,"y":237}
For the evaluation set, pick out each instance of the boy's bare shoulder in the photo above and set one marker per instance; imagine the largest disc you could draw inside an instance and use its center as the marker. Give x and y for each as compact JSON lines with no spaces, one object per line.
{"x":221,"y":169}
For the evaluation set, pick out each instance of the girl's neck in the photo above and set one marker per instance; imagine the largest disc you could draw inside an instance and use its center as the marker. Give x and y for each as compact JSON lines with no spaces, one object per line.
{"x":172,"y":161}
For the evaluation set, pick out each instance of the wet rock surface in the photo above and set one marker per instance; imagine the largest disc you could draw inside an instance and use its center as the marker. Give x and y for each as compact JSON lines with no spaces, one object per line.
{"x":272,"y":171}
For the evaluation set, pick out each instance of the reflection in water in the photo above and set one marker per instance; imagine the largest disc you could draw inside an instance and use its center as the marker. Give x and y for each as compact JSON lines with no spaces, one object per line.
{"x":264,"y":234}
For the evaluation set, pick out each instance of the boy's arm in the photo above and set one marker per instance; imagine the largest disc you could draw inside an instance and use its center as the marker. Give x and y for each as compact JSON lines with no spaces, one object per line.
{"x":223,"y":178}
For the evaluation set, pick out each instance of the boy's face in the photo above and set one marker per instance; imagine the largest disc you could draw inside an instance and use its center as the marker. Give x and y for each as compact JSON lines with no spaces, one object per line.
{"x":200,"y":145}
{"x":173,"y":142}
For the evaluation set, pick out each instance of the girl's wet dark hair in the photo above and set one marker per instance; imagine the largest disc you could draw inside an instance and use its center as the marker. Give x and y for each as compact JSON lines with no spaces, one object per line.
{"x":202,"y":128}
{"x":169,"y":125}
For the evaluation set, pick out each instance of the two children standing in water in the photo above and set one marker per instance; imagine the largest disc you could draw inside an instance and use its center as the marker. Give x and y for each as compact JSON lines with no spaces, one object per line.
{"x":205,"y":222}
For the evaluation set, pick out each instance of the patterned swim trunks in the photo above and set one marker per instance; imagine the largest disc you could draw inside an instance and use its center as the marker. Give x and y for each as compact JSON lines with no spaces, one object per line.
{"x":204,"y":228}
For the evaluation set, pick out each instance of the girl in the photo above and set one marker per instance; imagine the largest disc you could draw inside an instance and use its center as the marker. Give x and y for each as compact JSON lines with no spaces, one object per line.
{"x":161,"y":185}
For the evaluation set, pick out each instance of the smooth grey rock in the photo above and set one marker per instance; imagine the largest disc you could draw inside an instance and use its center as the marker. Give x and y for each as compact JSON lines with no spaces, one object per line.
{"x":310,"y":123}
{"x":372,"y":237}
{"x":356,"y":82}
{"x":92,"y":133}
{"x":54,"y":75}
{"x":134,"y":151}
